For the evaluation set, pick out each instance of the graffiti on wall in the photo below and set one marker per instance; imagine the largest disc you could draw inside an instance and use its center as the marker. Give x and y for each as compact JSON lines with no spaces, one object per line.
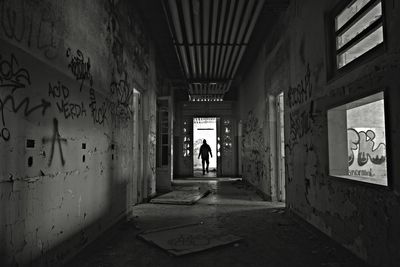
{"x":36,"y":30}
{"x":302,"y":92}
{"x":55,"y":138}
{"x":114,"y":36}
{"x":60,"y":93}
{"x":363,"y":141}
{"x":301,"y":115}
{"x":141,"y":53}
{"x":120,"y":107}
{"x":80,"y":67}
{"x":98,"y":111}
{"x":301,"y":122}
{"x":254,"y":149}
{"x":141,"y":47}
{"x":12,"y":78}
{"x":302,"y":160}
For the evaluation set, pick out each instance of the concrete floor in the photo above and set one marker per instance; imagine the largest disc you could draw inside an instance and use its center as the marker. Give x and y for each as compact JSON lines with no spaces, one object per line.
{"x":271,"y":236}
{"x":199,"y":174}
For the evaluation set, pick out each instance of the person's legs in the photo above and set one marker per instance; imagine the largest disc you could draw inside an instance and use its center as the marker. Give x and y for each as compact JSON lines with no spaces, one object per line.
{"x":202,"y":162}
{"x":208,"y":162}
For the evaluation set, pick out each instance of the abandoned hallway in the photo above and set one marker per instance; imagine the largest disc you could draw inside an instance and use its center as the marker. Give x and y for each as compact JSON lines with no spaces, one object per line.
{"x":200,"y":132}
{"x":270,"y":237}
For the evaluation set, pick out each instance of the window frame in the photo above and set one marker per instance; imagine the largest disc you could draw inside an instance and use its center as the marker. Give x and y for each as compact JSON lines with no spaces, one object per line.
{"x":353,"y":98}
{"x":333,"y":52}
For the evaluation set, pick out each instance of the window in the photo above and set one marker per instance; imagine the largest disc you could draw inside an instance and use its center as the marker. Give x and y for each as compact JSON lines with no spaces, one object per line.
{"x":358,"y":29}
{"x":163,"y":132}
{"x":186,"y":133}
{"x":357,"y":141}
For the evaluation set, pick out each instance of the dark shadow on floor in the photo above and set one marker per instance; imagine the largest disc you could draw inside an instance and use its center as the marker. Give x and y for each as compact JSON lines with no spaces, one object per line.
{"x":199,"y":174}
{"x":271,"y":235}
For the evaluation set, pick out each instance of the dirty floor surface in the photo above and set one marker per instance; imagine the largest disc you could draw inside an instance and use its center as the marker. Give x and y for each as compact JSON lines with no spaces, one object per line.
{"x":271,"y":237}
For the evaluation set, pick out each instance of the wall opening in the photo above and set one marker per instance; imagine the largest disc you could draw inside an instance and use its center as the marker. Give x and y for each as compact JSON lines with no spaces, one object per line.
{"x":280,"y":140}
{"x":204,"y":128}
{"x":137,"y":183}
{"x":357,"y":140}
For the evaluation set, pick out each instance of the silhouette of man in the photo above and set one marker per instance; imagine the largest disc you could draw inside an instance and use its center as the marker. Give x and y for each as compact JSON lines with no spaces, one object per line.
{"x":204,"y":150}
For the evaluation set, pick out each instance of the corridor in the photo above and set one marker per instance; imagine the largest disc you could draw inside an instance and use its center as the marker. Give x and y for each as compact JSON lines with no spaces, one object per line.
{"x":108,"y":106}
{"x":271,"y":237}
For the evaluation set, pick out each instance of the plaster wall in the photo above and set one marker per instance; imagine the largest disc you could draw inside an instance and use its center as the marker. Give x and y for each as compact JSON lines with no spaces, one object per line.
{"x":67,"y":73}
{"x":362,"y":217}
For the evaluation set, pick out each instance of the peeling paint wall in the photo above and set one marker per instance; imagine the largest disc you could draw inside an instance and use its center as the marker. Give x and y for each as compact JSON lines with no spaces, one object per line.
{"x":67,"y":73}
{"x":363,"y":218}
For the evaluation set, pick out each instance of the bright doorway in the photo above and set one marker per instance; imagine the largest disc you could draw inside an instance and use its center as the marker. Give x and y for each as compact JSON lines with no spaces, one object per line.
{"x":204,"y":128}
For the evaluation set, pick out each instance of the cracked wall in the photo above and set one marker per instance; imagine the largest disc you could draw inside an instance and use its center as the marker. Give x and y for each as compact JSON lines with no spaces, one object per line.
{"x":363,"y":218}
{"x":67,"y":73}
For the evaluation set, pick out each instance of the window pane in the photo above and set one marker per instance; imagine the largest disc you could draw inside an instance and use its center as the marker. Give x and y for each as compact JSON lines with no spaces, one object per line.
{"x":359,"y":26}
{"x":349,"y":12}
{"x":361,"y":47}
{"x":164,"y":155}
{"x":357,"y":140}
{"x":165,"y":139}
{"x":366,"y":141}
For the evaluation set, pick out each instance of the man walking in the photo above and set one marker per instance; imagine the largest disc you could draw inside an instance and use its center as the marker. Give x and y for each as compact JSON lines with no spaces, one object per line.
{"x":204,"y":150}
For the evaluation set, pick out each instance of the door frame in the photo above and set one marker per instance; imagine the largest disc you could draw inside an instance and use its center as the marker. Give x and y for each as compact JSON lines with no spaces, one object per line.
{"x":218,"y":142}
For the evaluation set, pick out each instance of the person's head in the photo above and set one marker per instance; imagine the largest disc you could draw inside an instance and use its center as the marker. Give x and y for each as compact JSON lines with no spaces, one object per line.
{"x":204,"y":141}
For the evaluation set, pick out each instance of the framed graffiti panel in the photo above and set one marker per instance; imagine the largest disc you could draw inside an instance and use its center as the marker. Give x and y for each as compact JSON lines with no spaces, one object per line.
{"x":357,"y":140}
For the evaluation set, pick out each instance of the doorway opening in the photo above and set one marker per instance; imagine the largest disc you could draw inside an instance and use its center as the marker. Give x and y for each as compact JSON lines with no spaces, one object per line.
{"x":280,"y":127}
{"x":204,"y":129}
{"x":137,"y":183}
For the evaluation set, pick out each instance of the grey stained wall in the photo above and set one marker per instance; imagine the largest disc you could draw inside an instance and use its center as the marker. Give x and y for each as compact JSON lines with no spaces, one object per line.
{"x":365,"y":219}
{"x":67,"y":73}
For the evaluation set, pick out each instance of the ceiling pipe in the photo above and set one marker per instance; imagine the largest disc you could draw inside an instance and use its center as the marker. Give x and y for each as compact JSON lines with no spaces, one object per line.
{"x":222,"y":20}
{"x":227,"y":58}
{"x":250,"y":29}
{"x":259,"y":7}
{"x":238,"y":19}
{"x":226,"y":51}
{"x":242,"y":18}
{"x":178,"y":36}
{"x":229,"y":21}
{"x":214,"y":24}
{"x":206,"y":32}
{"x":205,"y":60}
{"x":189,"y":35}
{"x":220,"y":62}
{"x":245,"y":21}
{"x":216,"y":58}
{"x":236,"y":65}
{"x":196,"y":10}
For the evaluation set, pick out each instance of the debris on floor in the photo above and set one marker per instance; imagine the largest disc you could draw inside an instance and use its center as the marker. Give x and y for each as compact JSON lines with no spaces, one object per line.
{"x":280,"y":210}
{"x":186,"y":239}
{"x":181,"y":197}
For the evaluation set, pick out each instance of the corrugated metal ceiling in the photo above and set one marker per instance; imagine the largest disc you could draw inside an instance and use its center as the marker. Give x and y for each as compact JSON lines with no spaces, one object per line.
{"x":210,"y":38}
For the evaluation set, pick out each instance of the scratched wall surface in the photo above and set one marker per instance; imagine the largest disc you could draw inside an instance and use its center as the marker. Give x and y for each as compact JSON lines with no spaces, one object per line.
{"x":67,"y":73}
{"x":361,"y":217}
